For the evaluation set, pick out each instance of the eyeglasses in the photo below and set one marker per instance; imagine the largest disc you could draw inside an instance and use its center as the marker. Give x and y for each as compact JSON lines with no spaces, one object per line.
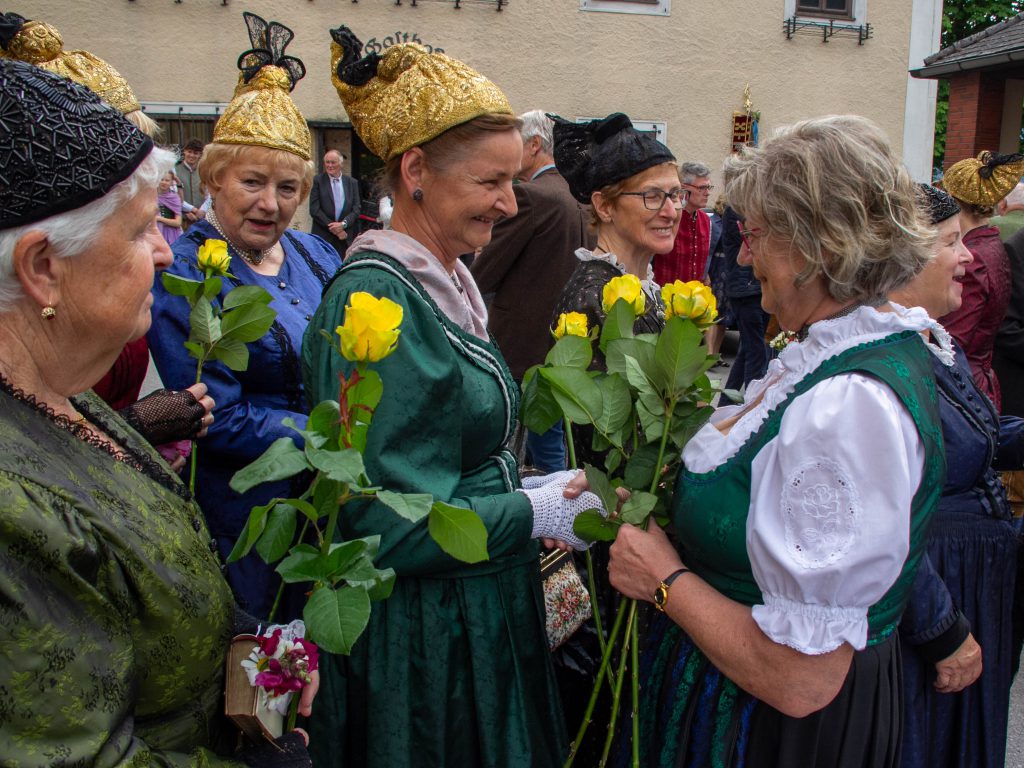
{"x":654,"y":199}
{"x":702,"y":187}
{"x":746,"y":234}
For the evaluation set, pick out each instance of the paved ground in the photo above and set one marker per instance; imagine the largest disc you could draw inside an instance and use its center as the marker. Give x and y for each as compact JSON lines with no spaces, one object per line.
{"x":1015,"y":740}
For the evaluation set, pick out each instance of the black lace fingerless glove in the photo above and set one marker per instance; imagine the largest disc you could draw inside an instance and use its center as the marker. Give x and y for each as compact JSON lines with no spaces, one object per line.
{"x":287,"y":751}
{"x":165,"y":416}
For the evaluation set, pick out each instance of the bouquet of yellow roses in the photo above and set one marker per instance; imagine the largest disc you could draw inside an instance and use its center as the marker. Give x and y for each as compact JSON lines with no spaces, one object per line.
{"x":652,"y":398}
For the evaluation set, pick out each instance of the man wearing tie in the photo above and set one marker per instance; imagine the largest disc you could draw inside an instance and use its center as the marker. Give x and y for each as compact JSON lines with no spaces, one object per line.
{"x":334,"y":203}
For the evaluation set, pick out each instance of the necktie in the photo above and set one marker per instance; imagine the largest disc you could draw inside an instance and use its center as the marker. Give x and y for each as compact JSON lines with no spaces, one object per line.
{"x":339,"y":197}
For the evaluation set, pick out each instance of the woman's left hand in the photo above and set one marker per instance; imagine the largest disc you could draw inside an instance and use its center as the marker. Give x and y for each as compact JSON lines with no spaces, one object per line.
{"x":960,"y":669}
{"x":640,"y":560}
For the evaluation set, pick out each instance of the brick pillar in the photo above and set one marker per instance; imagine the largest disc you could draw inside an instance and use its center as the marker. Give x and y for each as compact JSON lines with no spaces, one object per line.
{"x":975,"y":115}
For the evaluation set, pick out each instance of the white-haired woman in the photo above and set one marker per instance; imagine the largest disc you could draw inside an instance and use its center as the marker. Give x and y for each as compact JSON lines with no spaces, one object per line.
{"x":799,"y":515}
{"x":114,"y":617}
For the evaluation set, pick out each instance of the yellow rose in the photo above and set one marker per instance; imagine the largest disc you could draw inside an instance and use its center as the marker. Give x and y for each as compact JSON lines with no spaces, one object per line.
{"x":370,"y":332}
{"x":626,"y":287}
{"x":213,"y":258}
{"x":693,"y":300}
{"x":571,"y":324}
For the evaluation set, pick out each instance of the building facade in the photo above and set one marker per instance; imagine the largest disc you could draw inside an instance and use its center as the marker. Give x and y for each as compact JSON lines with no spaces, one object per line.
{"x":680,"y":67}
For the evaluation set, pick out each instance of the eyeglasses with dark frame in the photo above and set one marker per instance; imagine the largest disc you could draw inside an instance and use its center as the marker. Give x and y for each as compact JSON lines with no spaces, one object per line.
{"x":746,"y":234}
{"x":702,"y":187}
{"x":654,"y":199}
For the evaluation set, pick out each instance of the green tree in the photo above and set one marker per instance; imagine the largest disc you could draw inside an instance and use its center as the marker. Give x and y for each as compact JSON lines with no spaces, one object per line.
{"x":960,"y":19}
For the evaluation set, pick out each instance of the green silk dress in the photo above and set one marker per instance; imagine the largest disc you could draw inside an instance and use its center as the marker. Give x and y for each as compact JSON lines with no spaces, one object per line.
{"x":114,"y":616}
{"x":453,"y":669}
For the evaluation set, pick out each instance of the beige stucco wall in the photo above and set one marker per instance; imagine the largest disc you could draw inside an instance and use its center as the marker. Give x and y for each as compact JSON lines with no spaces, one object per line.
{"x":687,"y":69}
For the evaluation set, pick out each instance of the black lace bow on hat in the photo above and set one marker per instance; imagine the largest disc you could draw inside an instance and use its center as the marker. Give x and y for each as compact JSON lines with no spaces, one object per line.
{"x":937,"y":204}
{"x":993,"y":161}
{"x":61,"y":147}
{"x":353,"y":70}
{"x":10,"y":25}
{"x":268,"y":43}
{"x":592,"y":155}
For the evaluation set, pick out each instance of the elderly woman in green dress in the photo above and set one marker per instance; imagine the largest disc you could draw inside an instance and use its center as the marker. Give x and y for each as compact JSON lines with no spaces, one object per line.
{"x":114,"y":617}
{"x":453,"y":669}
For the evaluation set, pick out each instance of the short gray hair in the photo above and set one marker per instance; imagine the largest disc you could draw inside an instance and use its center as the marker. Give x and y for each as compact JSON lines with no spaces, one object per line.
{"x":536,"y":123}
{"x":71,"y":233}
{"x":833,"y":188}
{"x":690,"y":172}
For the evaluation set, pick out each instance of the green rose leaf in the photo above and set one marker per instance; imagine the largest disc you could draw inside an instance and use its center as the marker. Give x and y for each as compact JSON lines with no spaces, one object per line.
{"x":617,"y":325}
{"x":459,"y":532}
{"x":304,"y":507}
{"x":204,"y":323}
{"x":576,"y":393}
{"x":309,"y":437}
{"x":249,"y":322}
{"x":571,"y":352}
{"x":325,"y":495}
{"x":652,"y":424}
{"x":197,"y":350}
{"x":324,"y":421}
{"x":282,"y":459}
{"x":593,"y":526}
{"x":380,"y":586}
{"x":637,"y":507}
{"x":335,"y":618}
{"x":247,"y":294}
{"x":638,"y":377}
{"x":686,"y":424}
{"x":612,"y":461}
{"x":642,"y":466}
{"x":232,"y":352}
{"x":345,"y":466}
{"x":616,"y":403}
{"x":305,"y":563}
{"x":412,"y":506}
{"x":211,"y":287}
{"x":681,"y":355}
{"x":278,"y":533}
{"x":641,"y":349}
{"x":359,"y":570}
{"x":182,"y":286}
{"x":601,"y":486}
{"x":251,"y":531}
{"x":540,"y":411}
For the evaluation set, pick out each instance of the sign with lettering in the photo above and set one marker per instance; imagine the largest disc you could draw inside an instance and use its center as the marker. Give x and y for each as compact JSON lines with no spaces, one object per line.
{"x":373,"y":45}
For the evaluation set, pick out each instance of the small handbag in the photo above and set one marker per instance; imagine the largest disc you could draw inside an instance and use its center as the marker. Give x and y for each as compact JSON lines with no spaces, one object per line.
{"x":566,"y":599}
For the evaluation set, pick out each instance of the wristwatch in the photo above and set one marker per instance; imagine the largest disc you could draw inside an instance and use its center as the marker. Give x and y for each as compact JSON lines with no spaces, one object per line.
{"x":661,"y":593}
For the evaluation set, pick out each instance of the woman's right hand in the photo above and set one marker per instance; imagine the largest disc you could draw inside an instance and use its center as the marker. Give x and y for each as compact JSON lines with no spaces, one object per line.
{"x":198,"y":391}
{"x":960,"y":669}
{"x":640,"y":560}
{"x":553,"y":512}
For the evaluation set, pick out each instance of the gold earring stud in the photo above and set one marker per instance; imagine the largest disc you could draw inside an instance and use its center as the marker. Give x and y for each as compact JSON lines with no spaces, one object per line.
{"x":49,"y":313}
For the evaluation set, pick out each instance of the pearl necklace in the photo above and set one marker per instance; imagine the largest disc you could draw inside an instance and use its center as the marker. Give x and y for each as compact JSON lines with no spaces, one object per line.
{"x":251,"y":255}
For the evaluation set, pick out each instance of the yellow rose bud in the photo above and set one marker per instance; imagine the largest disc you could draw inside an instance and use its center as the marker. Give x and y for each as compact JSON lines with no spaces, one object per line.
{"x":213,"y":258}
{"x":571,"y":324}
{"x":626,"y":287}
{"x":370,"y":332}
{"x":693,"y":301}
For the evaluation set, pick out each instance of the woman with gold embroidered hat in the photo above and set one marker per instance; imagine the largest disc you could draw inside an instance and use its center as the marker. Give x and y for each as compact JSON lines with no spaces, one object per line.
{"x":454,"y":669}
{"x":114,"y":617}
{"x":978,"y":184}
{"x":258,"y":171}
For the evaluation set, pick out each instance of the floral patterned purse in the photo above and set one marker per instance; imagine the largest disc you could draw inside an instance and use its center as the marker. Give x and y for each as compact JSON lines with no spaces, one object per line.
{"x":566,"y":599}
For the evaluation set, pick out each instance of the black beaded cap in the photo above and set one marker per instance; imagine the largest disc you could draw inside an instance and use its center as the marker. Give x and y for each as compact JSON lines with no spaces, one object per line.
{"x":593,"y":155}
{"x":937,"y":204}
{"x":61,"y":147}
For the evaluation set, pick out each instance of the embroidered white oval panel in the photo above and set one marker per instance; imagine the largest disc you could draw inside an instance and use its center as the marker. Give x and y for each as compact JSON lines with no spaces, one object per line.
{"x":821,"y":512}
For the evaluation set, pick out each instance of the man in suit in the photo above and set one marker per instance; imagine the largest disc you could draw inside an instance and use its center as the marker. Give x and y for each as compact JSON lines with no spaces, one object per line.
{"x":527,"y":263}
{"x":334,"y":203}
{"x":1008,"y":359}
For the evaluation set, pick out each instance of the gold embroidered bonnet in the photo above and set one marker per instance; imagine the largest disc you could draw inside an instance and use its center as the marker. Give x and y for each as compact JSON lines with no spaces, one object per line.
{"x":408,"y":95}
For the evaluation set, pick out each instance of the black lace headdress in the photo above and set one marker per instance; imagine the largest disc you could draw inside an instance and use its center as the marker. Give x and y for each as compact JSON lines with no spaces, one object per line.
{"x":593,"y":155}
{"x":61,"y":146}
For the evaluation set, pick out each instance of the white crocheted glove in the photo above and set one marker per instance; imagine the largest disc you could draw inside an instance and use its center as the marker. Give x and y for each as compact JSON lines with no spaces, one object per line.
{"x":553,"y":514}
{"x":536,"y":481}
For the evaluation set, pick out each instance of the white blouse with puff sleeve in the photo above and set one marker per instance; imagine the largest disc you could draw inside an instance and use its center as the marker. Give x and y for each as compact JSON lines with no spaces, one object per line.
{"x":828,"y":528}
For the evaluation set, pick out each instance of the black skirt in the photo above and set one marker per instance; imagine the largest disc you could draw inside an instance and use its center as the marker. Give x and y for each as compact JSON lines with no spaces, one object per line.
{"x":692,"y":715}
